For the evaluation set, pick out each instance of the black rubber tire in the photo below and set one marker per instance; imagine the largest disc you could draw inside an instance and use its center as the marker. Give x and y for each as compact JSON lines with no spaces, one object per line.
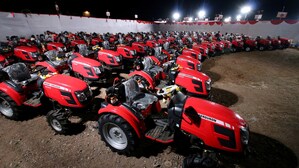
{"x":61,"y":118}
{"x":125,"y":127}
{"x":13,"y":105}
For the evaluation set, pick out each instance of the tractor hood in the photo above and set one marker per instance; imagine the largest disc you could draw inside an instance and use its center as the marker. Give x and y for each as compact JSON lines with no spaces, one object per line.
{"x":188,"y":73}
{"x":26,"y":49}
{"x":56,"y":44}
{"x":214,"y":112}
{"x":86,"y":62}
{"x":65,"y":83}
{"x":109,"y":52}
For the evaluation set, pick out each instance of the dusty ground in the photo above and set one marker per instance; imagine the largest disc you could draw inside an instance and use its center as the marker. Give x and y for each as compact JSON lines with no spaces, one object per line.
{"x":263,"y":87}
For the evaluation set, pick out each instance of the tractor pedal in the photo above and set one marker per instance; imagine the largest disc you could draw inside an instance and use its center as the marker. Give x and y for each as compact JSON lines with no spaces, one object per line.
{"x":33,"y":102}
{"x":160,"y":133}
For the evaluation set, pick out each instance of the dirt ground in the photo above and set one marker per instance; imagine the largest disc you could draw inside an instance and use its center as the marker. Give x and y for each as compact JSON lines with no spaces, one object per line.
{"x":263,"y":87}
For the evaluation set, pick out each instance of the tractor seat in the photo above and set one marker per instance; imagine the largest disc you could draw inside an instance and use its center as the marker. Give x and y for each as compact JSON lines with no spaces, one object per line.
{"x":135,"y":98}
{"x":19,"y":74}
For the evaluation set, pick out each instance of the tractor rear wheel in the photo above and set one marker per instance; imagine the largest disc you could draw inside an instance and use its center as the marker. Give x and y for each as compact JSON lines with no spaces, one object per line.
{"x":8,"y":107}
{"x":58,"y":121}
{"x":117,"y":134}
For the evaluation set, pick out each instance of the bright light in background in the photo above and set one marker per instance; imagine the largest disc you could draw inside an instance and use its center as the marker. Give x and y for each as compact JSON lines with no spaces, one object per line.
{"x":245,"y":9}
{"x":201,"y":14}
{"x":190,"y":19}
{"x":238,"y":17}
{"x":176,"y":16}
{"x":228,"y":19}
{"x":86,"y":13}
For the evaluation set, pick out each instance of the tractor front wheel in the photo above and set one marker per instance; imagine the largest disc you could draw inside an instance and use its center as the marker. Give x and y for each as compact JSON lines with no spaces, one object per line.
{"x":8,"y":107}
{"x":58,"y":121}
{"x":117,"y":134}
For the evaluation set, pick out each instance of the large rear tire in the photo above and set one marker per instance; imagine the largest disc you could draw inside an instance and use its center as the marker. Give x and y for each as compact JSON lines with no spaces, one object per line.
{"x":118,"y":134}
{"x":8,"y":107}
{"x":58,"y":121}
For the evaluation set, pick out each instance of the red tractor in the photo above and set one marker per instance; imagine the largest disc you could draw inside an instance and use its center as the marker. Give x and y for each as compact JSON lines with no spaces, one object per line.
{"x":20,"y":88}
{"x":140,"y":48}
{"x":89,"y":70}
{"x":249,"y":44}
{"x":263,"y":44}
{"x":56,"y":46}
{"x":284,"y":42}
{"x":193,"y":53}
{"x":152,"y":79}
{"x":27,"y":54}
{"x":237,"y":45}
{"x":204,"y":50}
{"x":111,"y":60}
{"x":187,"y":62}
{"x":129,"y":115}
{"x":128,"y":53}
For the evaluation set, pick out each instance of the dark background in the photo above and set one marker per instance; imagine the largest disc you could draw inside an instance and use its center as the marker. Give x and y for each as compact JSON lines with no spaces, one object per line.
{"x":153,"y":9}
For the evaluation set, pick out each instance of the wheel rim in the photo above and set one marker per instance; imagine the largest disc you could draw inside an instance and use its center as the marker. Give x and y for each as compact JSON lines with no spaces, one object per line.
{"x":247,"y":49}
{"x":5,"y":108}
{"x":56,"y":125}
{"x":115,"y":136}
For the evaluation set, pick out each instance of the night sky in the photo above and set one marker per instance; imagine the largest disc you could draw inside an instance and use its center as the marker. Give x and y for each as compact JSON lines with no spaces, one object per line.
{"x":153,"y":9}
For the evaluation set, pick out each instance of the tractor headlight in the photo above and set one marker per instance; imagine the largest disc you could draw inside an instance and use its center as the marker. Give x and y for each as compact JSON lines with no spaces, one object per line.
{"x":279,"y":42}
{"x":255,"y":42}
{"x":270,"y":42}
{"x":199,"y":57}
{"x":81,"y":96}
{"x":133,"y":52}
{"x":244,"y":133}
{"x":60,"y":49}
{"x":97,"y":70}
{"x":199,"y":67}
{"x":209,"y":84}
{"x":221,"y":45}
{"x":213,"y":47}
{"x":84,"y":95}
{"x":118,"y":58}
{"x":34,"y":54}
{"x":207,"y":51}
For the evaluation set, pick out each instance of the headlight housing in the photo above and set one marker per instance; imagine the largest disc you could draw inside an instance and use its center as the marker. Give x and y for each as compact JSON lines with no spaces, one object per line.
{"x":133,"y":52}
{"x":85,"y":95}
{"x":207,"y":51}
{"x":279,"y":42}
{"x":59,"y":49}
{"x":244,"y":134}
{"x":199,"y":67}
{"x":199,"y":57}
{"x":118,"y":58}
{"x":34,"y":54}
{"x":270,"y":42}
{"x":209,"y":84}
{"x":221,"y":45}
{"x":97,"y":70}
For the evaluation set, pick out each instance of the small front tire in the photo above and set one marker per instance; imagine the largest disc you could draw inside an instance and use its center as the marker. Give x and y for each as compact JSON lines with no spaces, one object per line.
{"x":58,"y":121}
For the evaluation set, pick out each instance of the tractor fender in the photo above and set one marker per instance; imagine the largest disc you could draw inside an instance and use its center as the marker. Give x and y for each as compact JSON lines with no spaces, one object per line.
{"x":137,"y":124}
{"x":145,"y":75}
{"x":11,"y":92}
{"x":46,"y":65}
{"x":155,"y":59}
